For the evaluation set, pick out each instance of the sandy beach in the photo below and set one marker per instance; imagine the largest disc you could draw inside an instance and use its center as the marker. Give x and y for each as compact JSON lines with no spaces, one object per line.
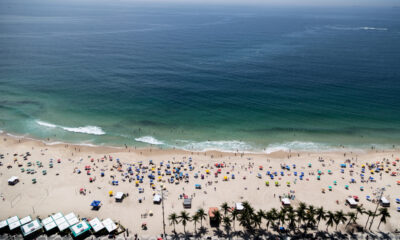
{"x":59,"y":189}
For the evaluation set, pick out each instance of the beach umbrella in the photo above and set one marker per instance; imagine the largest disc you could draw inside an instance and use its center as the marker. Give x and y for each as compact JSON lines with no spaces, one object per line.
{"x":295,"y":173}
{"x":318,"y":177}
{"x":267,"y":183}
{"x":346,"y":186}
{"x":110,"y":193}
{"x":330,"y":188}
{"x":334,"y":182}
{"x":225,"y":178}
{"x":95,"y":203}
{"x":361,"y":188}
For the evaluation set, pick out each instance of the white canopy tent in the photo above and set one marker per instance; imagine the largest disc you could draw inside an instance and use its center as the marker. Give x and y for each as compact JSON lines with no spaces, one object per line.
{"x":62,"y":223}
{"x":119,"y":196}
{"x":239,"y":206}
{"x":57,"y":216}
{"x":71,"y":219}
{"x":49,"y":223}
{"x":3,"y":224}
{"x":385,"y":202}
{"x":96,"y":225}
{"x":13,"y":180}
{"x":50,"y":226}
{"x":351,"y":202}
{"x":157,"y":199}
{"x":109,"y":225}
{"x":13,"y":222}
{"x":285,"y":201}
{"x":25,"y":220}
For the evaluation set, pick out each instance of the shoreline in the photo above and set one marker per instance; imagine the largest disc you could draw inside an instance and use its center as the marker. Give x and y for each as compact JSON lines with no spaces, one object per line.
{"x":152,"y":147}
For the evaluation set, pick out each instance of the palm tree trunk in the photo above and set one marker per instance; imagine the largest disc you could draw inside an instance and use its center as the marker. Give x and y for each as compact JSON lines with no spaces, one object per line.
{"x":379,"y":224}
{"x":366,"y":223}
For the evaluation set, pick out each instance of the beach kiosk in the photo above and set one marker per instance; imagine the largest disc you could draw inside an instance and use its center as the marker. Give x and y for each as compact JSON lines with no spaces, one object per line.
{"x":157,"y":199}
{"x":384,"y":202}
{"x":109,"y":225}
{"x":13,"y":180}
{"x":187,"y":203}
{"x":78,"y":230}
{"x":3,"y":225}
{"x":60,"y":221}
{"x":71,"y":219}
{"x":25,"y":220}
{"x":49,"y":224}
{"x":97,"y":225}
{"x":285,"y":202}
{"x":352,"y":202}
{"x":13,"y":223}
{"x":119,"y":196}
{"x":31,"y":228}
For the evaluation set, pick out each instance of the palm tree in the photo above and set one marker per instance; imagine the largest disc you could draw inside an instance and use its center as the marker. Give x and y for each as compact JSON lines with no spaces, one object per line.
{"x":227,"y":223}
{"x":384,"y":213}
{"x":195,"y":219}
{"x":301,"y":212}
{"x":340,"y":217}
{"x":235,"y":213}
{"x":260,"y":216}
{"x":217,"y":218}
{"x":282,"y":216}
{"x":291,"y":217}
{"x":352,"y":218}
{"x":271,"y":216}
{"x":225,"y":208}
{"x":321,"y":215}
{"x":360,"y":210}
{"x":310,"y":216}
{"x":246,"y":216}
{"x":184,"y":219}
{"x":331,"y":219}
{"x":173,"y":220}
{"x":370,"y":214}
{"x":202,"y":215}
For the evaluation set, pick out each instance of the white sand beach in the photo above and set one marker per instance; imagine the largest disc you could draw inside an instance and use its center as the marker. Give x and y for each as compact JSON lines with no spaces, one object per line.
{"x":59,"y":189}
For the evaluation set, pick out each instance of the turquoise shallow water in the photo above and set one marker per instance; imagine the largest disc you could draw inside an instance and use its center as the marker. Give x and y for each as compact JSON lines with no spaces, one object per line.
{"x":198,"y":77}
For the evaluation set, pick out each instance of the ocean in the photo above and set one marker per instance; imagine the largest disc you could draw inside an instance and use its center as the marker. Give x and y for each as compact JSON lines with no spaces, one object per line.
{"x":198,"y":77}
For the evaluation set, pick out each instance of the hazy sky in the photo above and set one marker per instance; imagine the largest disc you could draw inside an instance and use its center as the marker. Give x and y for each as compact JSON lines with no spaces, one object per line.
{"x":289,"y":2}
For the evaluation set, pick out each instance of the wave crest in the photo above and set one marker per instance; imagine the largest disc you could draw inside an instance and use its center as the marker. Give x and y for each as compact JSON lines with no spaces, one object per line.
{"x":223,"y":146}
{"x":149,"y":140}
{"x":93,"y":130}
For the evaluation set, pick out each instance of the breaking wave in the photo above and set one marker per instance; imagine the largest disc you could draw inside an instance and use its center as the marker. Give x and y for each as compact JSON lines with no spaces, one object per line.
{"x":93,"y":130}
{"x":149,"y":140}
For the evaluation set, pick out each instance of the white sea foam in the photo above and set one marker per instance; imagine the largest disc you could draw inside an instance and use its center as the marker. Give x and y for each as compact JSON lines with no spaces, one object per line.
{"x":93,"y":130}
{"x":298,"y":146}
{"x":45,"y":124}
{"x":358,"y":28}
{"x":87,"y":129}
{"x":150,"y":140}
{"x":223,"y":146}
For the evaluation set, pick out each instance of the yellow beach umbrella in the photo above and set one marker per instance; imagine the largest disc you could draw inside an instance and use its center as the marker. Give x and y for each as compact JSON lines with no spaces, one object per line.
{"x":110,"y":193}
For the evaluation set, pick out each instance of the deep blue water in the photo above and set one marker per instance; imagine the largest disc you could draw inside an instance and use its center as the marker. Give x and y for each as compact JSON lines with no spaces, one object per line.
{"x":195,"y":76}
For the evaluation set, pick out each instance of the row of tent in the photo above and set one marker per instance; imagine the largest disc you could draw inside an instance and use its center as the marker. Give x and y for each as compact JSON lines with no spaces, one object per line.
{"x":55,"y":222}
